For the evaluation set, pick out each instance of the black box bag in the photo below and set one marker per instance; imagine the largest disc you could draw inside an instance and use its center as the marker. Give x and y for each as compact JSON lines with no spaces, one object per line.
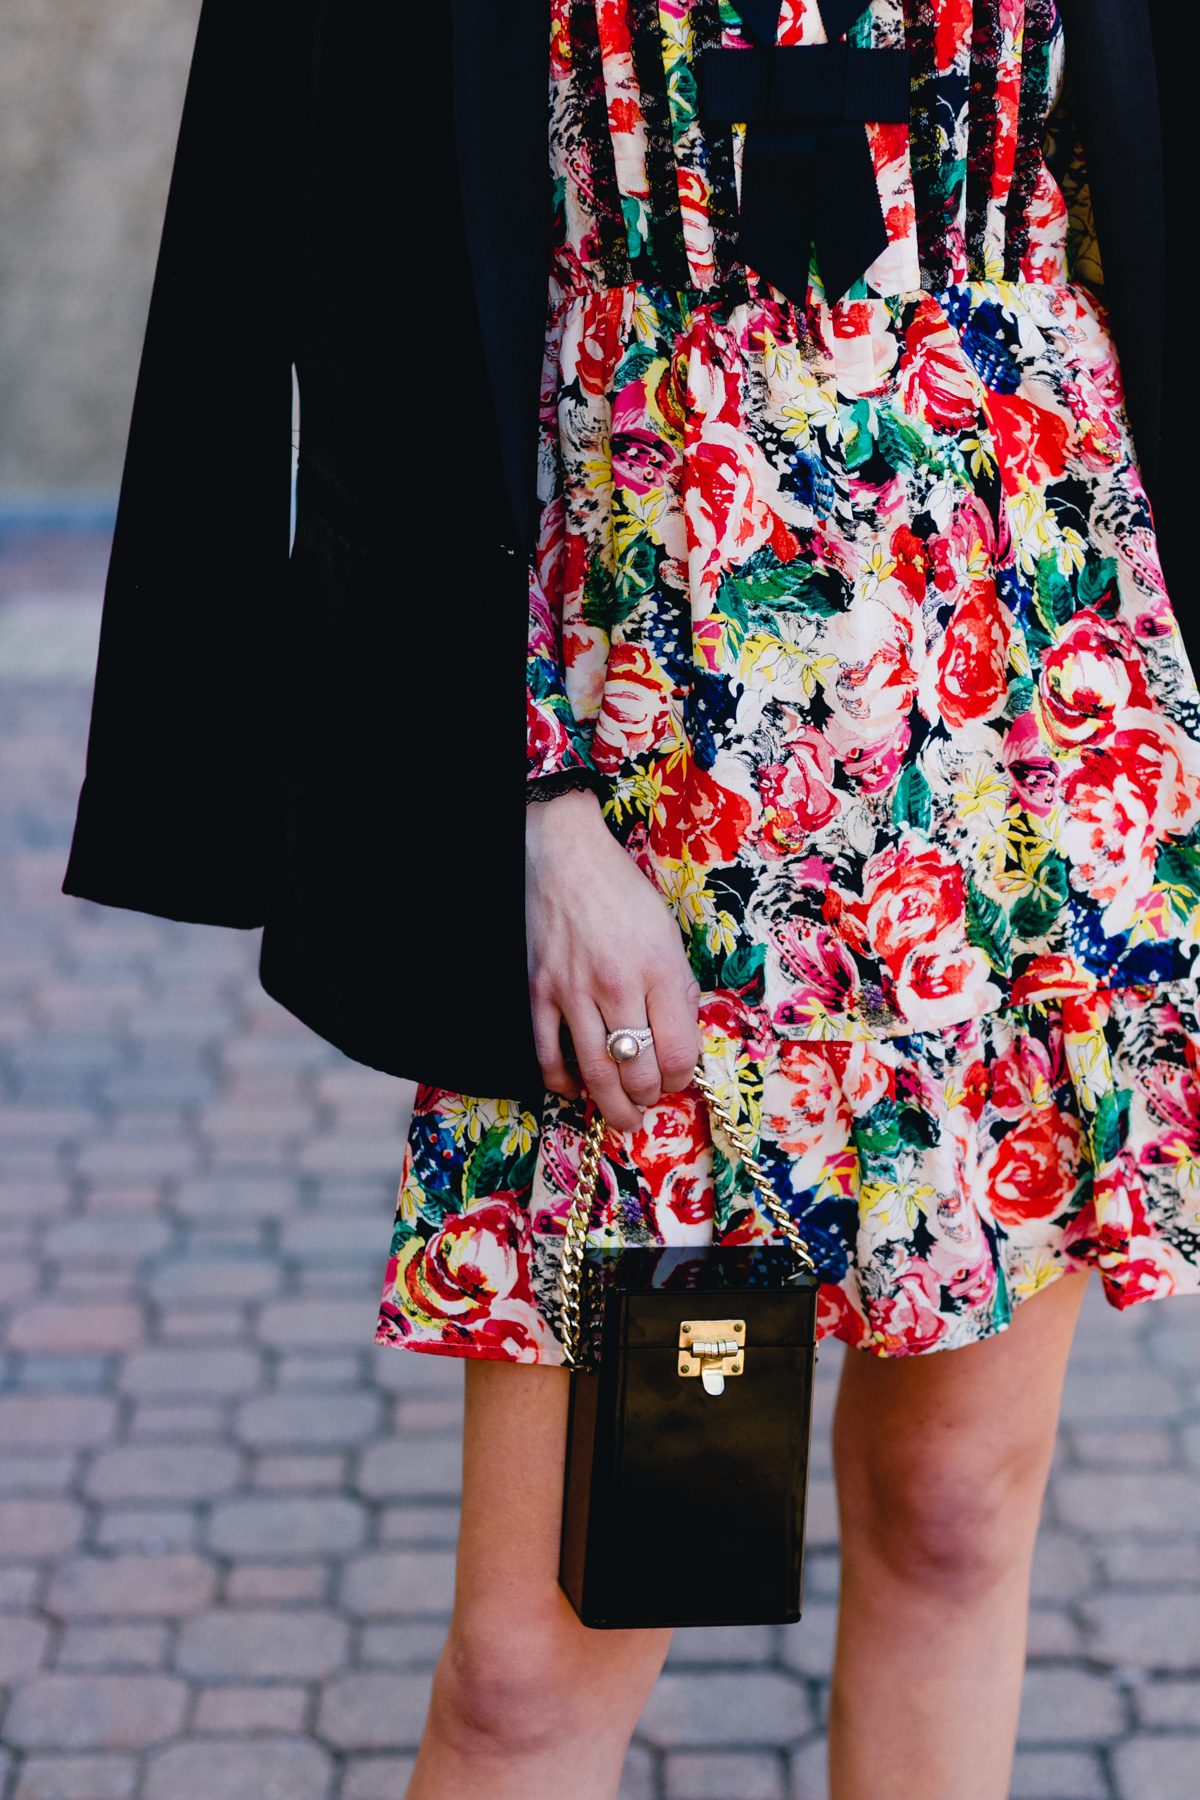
{"x":689,"y":1421}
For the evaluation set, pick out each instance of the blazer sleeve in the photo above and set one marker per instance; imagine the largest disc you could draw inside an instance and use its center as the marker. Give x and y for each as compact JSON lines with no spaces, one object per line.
{"x":176,"y":811}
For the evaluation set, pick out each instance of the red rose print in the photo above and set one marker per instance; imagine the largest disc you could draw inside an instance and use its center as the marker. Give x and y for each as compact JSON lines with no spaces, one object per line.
{"x":1035,"y":1168}
{"x":937,"y":383}
{"x":798,"y":795}
{"x":1089,"y":678}
{"x":971,"y":668}
{"x":1031,"y":441}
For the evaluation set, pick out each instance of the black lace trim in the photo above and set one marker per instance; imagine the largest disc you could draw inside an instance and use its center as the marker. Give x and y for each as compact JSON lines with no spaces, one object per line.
{"x":568,"y":781}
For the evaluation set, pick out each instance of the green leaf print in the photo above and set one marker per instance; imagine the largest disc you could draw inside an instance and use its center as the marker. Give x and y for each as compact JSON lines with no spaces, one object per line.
{"x":637,"y":574}
{"x":743,"y":971}
{"x":988,"y":929}
{"x":1020,"y":696}
{"x":766,"y":582}
{"x":877,"y":1133}
{"x":1105,"y":1133}
{"x":1096,"y":585}
{"x":600,"y":596}
{"x":903,"y":445}
{"x":491,"y":1168}
{"x":1033,"y":915}
{"x":1178,"y":868}
{"x":911,"y":805}
{"x":1052,"y":595}
{"x":732,"y":607}
{"x":633,"y":365}
{"x":857,"y":437}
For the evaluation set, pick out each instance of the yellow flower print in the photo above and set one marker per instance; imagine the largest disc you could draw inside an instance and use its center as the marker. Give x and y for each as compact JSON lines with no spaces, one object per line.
{"x":1036,"y":1272}
{"x":877,"y":569}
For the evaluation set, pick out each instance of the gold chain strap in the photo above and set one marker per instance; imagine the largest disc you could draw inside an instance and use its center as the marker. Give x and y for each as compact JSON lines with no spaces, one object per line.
{"x":579,"y":1219}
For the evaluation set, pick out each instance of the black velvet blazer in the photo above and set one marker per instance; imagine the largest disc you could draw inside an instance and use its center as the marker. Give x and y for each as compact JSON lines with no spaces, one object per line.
{"x":361,"y":193}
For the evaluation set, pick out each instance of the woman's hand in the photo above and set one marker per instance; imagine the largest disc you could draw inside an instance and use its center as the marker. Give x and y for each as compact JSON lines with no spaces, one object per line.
{"x":604,"y":952}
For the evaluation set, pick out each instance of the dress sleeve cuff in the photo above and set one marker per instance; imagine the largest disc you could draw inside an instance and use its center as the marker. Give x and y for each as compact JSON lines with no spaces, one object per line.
{"x":567,"y":781}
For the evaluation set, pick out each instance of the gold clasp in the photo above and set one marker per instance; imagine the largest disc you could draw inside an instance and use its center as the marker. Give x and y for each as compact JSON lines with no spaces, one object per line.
{"x":712,"y":1349}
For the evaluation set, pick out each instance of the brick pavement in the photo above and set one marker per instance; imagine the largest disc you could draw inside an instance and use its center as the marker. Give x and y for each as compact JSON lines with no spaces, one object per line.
{"x":227,"y":1522}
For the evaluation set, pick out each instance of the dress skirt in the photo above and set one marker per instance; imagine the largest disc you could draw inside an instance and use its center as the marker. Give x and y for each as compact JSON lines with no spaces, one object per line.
{"x":853,"y":605}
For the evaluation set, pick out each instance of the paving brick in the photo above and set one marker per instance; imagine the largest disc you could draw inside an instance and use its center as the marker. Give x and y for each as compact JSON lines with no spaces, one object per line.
{"x":415,"y":1644}
{"x":176,"y":1423}
{"x":217,"y":1278}
{"x":1139,"y":1562}
{"x":1157,"y":1768}
{"x":413,"y":1468}
{"x":338,"y":1239}
{"x":153,"y":1530}
{"x":131,"y":1586}
{"x":377,"y":1777}
{"x":77,"y":1778}
{"x":1064,"y":1706}
{"x":695,"y":1776}
{"x":31,"y":1528}
{"x":808,"y":1646}
{"x":351,"y":1153}
{"x":18,"y":1277}
{"x":722,"y":1644}
{"x":821,"y":1520}
{"x":95,"y":1712}
{"x":314,"y":1370}
{"x":810,"y":1771}
{"x":326,"y":1322}
{"x":237,"y":1711}
{"x":419,"y":1414}
{"x":1167,"y":1703}
{"x":1052,"y":1632}
{"x":273,"y":1421}
{"x":639,"y":1777}
{"x":287,"y":1528}
{"x":17,"y":1587}
{"x":183,"y":1372}
{"x":203,"y":1324}
{"x":1123,"y":1449}
{"x":399,"y":1581}
{"x":44,"y":1374}
{"x":20,"y":1475}
{"x":1149,"y":1630}
{"x":426,"y":1525}
{"x":253,"y":1584}
{"x":111,"y":1199}
{"x":374,"y":1711}
{"x":295,"y":1474}
{"x":1134,"y":1394}
{"x":52,"y":1326}
{"x":1166,"y":1500}
{"x":163,"y":1472}
{"x":23,"y":1645}
{"x":91,"y":1241}
{"x":112,"y":1647}
{"x":52,"y":1421}
{"x":220,"y":1197}
{"x":300,"y":1644}
{"x":696,"y":1709}
{"x":1062,"y":1569}
{"x":290,"y":1768}
{"x":1059,"y":1775}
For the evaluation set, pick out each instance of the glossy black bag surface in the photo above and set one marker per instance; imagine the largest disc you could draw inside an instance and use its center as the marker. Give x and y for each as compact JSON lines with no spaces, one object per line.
{"x":683,"y":1507}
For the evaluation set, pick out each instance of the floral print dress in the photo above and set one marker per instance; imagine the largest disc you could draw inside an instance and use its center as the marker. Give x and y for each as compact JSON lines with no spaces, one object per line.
{"x":857,"y":610}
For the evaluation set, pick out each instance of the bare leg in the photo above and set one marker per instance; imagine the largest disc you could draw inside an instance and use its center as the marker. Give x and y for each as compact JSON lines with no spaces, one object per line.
{"x":941,"y":1464}
{"x":527,"y":1703}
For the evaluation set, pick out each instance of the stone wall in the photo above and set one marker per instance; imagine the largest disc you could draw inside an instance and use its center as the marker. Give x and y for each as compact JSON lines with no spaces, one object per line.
{"x":90,"y":95}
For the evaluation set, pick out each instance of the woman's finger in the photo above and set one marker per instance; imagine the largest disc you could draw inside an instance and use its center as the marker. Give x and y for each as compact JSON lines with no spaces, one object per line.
{"x":601,"y":1075}
{"x":559,"y":1076}
{"x":674,"y":1012}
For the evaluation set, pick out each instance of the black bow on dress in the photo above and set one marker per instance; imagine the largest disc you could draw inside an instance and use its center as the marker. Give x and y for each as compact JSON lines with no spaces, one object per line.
{"x":808,"y":181}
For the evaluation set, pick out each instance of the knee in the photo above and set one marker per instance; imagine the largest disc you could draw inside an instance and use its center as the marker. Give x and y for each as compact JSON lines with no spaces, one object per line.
{"x":958,"y":1530}
{"x":503,"y":1685}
